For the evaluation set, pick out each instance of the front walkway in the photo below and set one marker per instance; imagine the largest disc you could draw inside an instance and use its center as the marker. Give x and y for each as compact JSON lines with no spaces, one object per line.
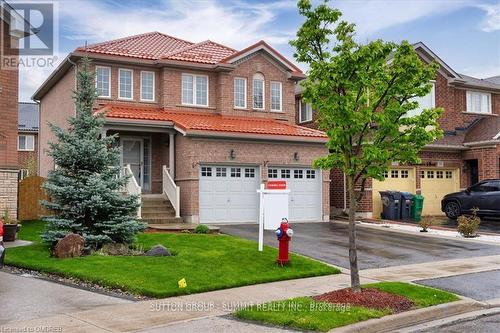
{"x":149,"y":315}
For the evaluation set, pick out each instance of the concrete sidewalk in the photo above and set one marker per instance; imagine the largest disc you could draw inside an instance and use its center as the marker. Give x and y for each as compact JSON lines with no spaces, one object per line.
{"x":149,"y":315}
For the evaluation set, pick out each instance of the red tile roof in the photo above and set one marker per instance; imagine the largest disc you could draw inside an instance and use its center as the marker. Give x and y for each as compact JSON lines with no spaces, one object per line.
{"x":205,"y":52}
{"x":152,"y":45}
{"x":196,"y":121}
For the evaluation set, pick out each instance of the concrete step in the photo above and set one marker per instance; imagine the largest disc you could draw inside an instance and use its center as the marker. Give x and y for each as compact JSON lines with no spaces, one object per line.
{"x":163,"y":220}
{"x":152,"y":215}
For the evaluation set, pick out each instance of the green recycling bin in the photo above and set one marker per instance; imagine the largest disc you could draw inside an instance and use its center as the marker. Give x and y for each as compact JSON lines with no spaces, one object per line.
{"x":416,"y":207}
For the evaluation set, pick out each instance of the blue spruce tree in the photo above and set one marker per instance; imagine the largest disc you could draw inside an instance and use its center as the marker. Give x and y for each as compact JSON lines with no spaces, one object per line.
{"x":86,"y":188}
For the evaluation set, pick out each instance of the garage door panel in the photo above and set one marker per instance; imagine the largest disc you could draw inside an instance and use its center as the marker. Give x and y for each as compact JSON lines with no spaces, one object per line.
{"x":228,"y":199}
{"x":434,"y":185}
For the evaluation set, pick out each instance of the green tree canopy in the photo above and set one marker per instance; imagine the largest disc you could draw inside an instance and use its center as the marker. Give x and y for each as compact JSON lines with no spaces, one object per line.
{"x":363,"y":93}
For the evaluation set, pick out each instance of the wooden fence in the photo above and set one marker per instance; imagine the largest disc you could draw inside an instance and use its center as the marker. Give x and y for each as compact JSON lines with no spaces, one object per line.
{"x":30,"y":194}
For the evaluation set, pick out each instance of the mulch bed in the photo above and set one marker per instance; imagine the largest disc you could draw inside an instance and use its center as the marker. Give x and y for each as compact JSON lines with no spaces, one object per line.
{"x":369,"y":297}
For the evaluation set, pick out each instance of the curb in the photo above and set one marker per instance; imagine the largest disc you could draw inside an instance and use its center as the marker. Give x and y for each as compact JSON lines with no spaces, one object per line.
{"x":412,"y":318}
{"x":441,"y":323}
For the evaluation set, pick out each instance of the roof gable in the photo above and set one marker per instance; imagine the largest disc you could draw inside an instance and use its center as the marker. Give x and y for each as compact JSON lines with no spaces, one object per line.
{"x":428,"y":55}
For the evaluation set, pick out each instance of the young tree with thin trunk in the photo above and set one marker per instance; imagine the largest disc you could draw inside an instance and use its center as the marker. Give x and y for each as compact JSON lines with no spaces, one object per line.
{"x":363,"y":94}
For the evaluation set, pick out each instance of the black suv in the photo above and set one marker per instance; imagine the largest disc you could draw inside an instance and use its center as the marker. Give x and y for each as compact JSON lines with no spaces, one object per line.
{"x":484,"y":195}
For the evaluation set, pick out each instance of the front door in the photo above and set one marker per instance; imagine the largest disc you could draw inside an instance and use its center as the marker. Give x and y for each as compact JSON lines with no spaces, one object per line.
{"x":132,"y":154}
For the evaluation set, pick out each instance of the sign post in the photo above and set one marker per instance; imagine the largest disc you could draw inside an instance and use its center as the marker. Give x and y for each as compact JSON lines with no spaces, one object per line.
{"x":273,"y":207}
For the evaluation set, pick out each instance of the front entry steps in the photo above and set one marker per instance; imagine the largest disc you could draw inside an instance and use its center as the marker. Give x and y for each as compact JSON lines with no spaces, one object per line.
{"x":157,"y":209}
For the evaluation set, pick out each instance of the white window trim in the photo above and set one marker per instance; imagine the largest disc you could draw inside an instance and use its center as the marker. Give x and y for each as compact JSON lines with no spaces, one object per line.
{"x":109,"y":83}
{"x":300,"y":113}
{"x":26,"y":136}
{"x":263,"y":94}
{"x":467,"y":92}
{"x":281,"y":96}
{"x":194,"y":89}
{"x":234,"y":92}
{"x":154,"y":87}
{"x":131,"y":84}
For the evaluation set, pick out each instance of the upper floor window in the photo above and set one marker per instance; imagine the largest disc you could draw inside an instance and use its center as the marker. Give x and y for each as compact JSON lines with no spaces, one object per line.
{"x":240,"y":92}
{"x":195,"y":89}
{"x":125,"y":83}
{"x":305,"y":112}
{"x":276,"y":96}
{"x":258,"y":91}
{"x":425,"y":102}
{"x":147,"y":86}
{"x":26,"y":143}
{"x":478,"y":102}
{"x":102,"y":81}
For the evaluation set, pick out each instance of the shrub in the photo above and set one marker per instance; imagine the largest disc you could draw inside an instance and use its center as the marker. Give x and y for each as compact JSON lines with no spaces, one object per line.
{"x":468,"y":225}
{"x":201,"y":229}
{"x":426,"y":222}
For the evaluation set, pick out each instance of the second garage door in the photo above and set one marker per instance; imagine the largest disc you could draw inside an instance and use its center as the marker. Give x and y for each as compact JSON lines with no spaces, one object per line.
{"x":305,"y":192}
{"x":228,"y":194}
{"x":396,"y":179}
{"x":434,"y":185}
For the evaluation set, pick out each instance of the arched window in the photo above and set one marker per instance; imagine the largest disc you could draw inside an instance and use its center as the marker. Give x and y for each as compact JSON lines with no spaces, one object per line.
{"x":258,"y":91}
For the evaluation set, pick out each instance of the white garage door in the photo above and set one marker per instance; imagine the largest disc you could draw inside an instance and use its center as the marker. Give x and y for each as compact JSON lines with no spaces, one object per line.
{"x":305,"y":191}
{"x":228,"y":194}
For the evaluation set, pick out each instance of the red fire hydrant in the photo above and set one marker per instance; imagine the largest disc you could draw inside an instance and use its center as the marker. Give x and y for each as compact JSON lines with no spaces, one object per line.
{"x":284,"y":234}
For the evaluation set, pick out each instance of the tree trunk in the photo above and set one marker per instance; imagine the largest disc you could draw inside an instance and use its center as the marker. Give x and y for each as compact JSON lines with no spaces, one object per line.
{"x":353,"y":252}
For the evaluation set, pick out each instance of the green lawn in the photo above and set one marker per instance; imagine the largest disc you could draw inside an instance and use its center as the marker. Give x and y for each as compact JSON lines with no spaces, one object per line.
{"x":207,"y":262}
{"x":307,"y":314}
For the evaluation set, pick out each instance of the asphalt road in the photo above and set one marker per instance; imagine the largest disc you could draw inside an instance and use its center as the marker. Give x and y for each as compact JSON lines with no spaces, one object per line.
{"x":489,"y":324}
{"x":23,"y":298}
{"x":479,"y":286}
{"x":328,"y":241}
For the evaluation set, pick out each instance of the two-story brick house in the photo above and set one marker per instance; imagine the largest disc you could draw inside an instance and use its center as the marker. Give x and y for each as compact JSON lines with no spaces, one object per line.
{"x":209,"y":120}
{"x":468,"y":152}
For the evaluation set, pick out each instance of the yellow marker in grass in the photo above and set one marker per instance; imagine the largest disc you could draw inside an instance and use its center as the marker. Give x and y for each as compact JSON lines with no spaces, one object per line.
{"x":182,"y":283}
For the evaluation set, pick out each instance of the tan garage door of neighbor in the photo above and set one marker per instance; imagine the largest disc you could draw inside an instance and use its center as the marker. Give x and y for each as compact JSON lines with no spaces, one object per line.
{"x":396,"y":179}
{"x":434,"y":185}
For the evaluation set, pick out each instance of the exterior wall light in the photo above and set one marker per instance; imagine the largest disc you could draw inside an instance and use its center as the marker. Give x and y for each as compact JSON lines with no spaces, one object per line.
{"x":296,"y":156}
{"x":232,"y":154}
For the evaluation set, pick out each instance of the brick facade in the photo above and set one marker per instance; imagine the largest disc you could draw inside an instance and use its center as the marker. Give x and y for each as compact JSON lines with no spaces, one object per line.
{"x":191,"y":152}
{"x":8,"y":127}
{"x":25,"y":157}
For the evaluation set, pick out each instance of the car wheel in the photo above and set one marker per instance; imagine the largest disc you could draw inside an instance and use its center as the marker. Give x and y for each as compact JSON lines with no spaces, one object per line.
{"x":452,"y":210}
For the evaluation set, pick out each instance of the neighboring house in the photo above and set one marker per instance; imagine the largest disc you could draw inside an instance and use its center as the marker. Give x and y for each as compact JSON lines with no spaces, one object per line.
{"x":9,"y":168}
{"x":214,"y":121}
{"x":468,"y":152}
{"x":27,"y":139}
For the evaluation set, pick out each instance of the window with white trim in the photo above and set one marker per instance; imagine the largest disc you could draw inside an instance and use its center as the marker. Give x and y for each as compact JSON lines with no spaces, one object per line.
{"x":206,"y":171}
{"x":220,"y":172}
{"x":258,"y":91}
{"x":272,"y":173}
{"x":125,"y":83}
{"x":310,"y":174}
{"x":424,"y":102}
{"x":26,"y":143}
{"x":285,"y":173}
{"x":298,"y":174}
{"x":147,"y":86}
{"x":235,"y":172}
{"x":276,"y":96}
{"x":249,"y":173}
{"x":478,"y":102}
{"x":240,"y":92}
{"x":305,"y":112}
{"x":102,"y":81}
{"x":195,"y":89}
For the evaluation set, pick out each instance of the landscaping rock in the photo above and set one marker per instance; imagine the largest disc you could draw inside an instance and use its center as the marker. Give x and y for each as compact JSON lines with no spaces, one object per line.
{"x":158,"y":251}
{"x":70,"y":246}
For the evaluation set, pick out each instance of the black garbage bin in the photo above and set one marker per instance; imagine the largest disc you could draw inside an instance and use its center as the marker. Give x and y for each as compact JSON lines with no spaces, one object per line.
{"x":406,"y":202}
{"x":391,"y":207}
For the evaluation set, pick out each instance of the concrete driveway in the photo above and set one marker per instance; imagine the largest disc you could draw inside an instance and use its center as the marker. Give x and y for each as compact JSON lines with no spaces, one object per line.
{"x":328,"y":242}
{"x":24,"y":298}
